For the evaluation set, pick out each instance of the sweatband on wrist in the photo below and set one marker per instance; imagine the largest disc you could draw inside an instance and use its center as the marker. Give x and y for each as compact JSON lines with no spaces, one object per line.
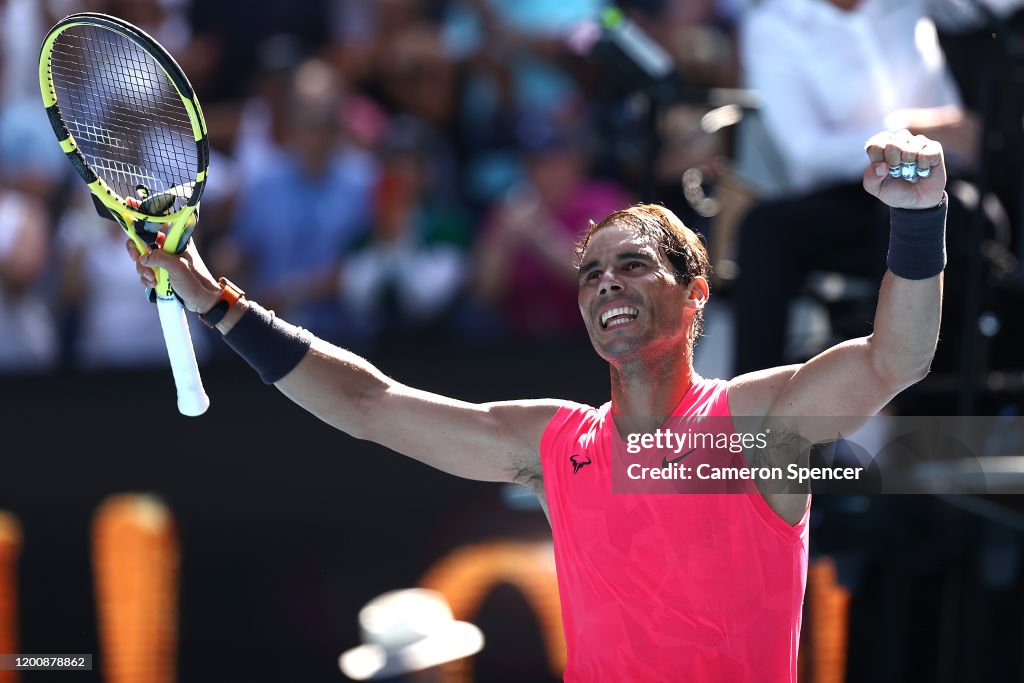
{"x":270,"y":345}
{"x":917,"y":241}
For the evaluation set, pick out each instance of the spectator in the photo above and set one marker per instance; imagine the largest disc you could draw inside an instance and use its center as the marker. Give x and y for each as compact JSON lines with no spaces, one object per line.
{"x":247,"y":137}
{"x":28,"y":339}
{"x":21,"y":27}
{"x":829,"y":73}
{"x":697,"y":33}
{"x":516,"y":59}
{"x":405,"y":278}
{"x":297,"y":218}
{"x":262,"y":128}
{"x":699,"y":36}
{"x":30,"y":161}
{"x":364,"y":33}
{"x":416,"y":76}
{"x":524,"y":265}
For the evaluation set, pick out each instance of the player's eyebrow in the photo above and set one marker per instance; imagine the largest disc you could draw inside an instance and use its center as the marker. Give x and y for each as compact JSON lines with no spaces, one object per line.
{"x":587,"y":267}
{"x":620,"y":257}
{"x":629,"y":255}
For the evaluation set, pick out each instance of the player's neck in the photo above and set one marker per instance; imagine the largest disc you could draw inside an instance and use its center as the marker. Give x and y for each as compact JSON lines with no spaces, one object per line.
{"x":650,"y":388}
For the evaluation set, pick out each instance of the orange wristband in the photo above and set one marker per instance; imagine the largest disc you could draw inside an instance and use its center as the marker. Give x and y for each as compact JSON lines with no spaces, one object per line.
{"x":230,"y":293}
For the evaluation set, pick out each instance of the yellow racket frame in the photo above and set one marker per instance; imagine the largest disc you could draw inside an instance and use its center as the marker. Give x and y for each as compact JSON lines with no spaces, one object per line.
{"x":179,"y":224}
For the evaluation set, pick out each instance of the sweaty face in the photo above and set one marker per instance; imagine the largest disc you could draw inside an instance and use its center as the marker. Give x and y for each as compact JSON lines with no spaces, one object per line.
{"x":631,"y":300}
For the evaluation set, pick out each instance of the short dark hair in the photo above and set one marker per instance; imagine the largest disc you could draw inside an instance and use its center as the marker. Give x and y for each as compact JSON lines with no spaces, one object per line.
{"x":683,"y":247}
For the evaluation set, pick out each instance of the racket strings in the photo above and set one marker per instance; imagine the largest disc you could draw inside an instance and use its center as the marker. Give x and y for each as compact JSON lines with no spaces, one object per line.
{"x":124,"y":112}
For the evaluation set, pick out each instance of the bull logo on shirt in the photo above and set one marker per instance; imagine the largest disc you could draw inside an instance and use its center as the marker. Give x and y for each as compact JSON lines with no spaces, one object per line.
{"x":577,"y":463}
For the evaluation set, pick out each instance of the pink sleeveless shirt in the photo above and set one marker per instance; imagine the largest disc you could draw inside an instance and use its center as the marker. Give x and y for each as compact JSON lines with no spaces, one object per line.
{"x":685,"y":587}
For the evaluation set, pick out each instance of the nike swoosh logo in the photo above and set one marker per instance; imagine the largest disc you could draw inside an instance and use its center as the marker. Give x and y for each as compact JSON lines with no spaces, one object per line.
{"x":665,"y":463}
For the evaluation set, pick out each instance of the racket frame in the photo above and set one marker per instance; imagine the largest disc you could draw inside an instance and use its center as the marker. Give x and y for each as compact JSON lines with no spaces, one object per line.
{"x":126,"y":215}
{"x":178,"y":225}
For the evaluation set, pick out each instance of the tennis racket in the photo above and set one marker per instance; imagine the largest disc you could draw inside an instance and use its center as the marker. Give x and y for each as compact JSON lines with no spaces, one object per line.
{"x":130,"y":124}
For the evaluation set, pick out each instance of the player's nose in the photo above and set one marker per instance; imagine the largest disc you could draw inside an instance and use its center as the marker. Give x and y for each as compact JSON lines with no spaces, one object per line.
{"x":609,"y":283}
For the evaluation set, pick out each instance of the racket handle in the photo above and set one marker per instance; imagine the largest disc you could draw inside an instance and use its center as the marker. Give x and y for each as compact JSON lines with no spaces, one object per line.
{"x":192,"y":398}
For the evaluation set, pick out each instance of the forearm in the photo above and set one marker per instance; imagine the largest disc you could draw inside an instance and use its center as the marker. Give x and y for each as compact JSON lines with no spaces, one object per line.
{"x":855,"y":379}
{"x":910,"y":300}
{"x":493,"y":442}
{"x":338,"y":387}
{"x":334,"y":384}
{"x":906,"y":329}
{"x":489,"y":442}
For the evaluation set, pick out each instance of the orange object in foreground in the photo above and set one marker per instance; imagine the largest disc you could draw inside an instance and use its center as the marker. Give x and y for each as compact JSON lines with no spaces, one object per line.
{"x":10,"y":549}
{"x":135,"y":563}
{"x":829,"y":616}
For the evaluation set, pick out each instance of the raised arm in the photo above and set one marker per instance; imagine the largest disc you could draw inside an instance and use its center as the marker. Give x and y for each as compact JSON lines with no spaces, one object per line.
{"x":855,"y":379}
{"x":490,"y":441}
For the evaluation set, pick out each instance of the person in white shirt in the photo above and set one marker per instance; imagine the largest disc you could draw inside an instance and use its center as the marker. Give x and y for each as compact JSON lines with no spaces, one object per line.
{"x":828,"y":74}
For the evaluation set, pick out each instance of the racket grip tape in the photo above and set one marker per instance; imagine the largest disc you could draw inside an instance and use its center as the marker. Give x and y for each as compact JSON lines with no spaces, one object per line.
{"x":192,"y":398}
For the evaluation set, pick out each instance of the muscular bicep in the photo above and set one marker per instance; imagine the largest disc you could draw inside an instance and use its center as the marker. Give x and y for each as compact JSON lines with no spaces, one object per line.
{"x":839,"y":389}
{"x":833,"y":393}
{"x":485,"y":441}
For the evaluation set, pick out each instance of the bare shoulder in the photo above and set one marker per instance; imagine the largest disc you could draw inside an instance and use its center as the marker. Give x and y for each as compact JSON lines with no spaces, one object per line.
{"x":526,"y":421}
{"x":528,"y":417}
{"x":754,"y":393}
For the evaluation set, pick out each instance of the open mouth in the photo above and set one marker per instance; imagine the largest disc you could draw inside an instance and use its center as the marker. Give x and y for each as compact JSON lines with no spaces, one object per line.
{"x":618,"y":316}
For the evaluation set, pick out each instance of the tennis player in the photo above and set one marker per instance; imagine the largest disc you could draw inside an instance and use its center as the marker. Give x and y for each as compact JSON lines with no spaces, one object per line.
{"x":698,"y":588}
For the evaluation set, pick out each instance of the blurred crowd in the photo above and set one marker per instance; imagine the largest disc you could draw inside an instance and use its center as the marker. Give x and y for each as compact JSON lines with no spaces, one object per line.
{"x":390,"y":172}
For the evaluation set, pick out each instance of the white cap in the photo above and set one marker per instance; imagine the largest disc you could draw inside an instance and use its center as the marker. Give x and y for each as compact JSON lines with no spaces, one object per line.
{"x":405,"y":631}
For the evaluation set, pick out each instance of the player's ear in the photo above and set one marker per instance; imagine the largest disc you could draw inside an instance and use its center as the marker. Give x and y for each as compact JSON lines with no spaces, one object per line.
{"x":698,"y":292}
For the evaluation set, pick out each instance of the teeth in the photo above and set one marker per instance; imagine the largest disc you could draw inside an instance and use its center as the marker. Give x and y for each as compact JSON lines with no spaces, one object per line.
{"x":622,"y":310}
